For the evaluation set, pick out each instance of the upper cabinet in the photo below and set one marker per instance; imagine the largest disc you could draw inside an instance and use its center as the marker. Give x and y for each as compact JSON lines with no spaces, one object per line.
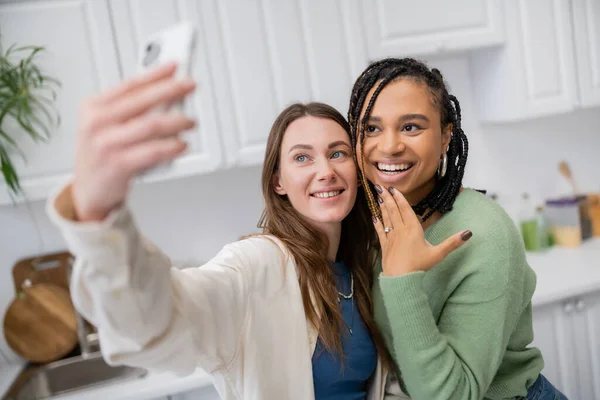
{"x":267,"y":54}
{"x":134,"y":21}
{"x":400,"y":28}
{"x":79,"y":52}
{"x":549,"y":63}
{"x":252,"y":59}
{"x":586,"y":27}
{"x":255,"y":57}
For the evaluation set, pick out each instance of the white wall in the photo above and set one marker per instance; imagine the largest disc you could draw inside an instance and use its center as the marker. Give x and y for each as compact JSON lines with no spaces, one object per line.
{"x":192,"y":218}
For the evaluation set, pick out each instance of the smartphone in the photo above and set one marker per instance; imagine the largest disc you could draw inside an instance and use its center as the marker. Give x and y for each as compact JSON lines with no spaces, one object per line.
{"x":175,"y":43}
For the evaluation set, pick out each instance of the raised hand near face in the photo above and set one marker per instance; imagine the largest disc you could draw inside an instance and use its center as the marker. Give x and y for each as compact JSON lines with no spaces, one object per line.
{"x":403,"y":244}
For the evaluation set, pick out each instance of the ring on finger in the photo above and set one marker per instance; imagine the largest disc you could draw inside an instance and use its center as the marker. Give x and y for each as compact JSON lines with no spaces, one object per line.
{"x":388,"y":229}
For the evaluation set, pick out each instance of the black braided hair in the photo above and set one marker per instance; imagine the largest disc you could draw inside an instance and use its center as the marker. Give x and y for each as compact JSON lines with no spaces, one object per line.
{"x":381,"y":73}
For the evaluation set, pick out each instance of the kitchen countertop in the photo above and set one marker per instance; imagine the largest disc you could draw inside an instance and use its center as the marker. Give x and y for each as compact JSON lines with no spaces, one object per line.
{"x":561,"y":273}
{"x":565,"y":272}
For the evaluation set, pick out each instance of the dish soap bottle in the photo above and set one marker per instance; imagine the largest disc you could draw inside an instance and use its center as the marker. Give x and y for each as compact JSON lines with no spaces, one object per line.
{"x":529,"y":224}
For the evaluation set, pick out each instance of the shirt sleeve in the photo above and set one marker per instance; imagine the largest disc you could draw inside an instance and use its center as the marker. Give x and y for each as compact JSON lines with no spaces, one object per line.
{"x":147,"y":312}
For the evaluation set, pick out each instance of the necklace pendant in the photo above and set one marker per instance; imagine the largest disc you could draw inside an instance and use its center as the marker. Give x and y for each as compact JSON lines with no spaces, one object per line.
{"x":350,"y":329}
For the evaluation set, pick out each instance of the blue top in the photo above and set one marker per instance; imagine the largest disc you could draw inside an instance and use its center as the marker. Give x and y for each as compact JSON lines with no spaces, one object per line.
{"x":360,"y":354}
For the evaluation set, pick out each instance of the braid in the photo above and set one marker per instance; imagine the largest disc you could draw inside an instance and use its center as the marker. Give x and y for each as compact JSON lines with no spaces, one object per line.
{"x":442,"y":197}
{"x":368,"y":78}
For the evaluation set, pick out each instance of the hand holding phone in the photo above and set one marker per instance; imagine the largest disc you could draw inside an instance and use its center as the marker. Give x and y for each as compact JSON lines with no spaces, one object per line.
{"x":127,"y":130}
{"x":173,"y":44}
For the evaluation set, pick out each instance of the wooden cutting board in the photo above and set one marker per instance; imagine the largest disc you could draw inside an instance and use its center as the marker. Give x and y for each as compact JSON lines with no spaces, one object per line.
{"x":46,"y":268}
{"x":40,"y":325}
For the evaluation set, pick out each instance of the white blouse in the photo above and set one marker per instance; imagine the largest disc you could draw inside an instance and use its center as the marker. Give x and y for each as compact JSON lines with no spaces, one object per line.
{"x":239,"y":317}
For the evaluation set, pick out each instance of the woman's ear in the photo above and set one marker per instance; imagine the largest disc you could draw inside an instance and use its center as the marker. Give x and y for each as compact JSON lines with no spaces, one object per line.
{"x":277,"y":184}
{"x":446,"y":136}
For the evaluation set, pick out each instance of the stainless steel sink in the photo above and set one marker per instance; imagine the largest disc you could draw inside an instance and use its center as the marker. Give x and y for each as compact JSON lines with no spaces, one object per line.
{"x":68,"y":375}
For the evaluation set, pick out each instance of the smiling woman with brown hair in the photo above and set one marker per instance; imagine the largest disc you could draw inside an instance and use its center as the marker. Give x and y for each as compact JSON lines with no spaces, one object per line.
{"x":282,"y":315}
{"x":457,"y":327}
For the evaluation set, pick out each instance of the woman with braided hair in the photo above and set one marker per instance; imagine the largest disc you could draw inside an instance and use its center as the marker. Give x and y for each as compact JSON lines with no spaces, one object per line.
{"x":457,"y":327}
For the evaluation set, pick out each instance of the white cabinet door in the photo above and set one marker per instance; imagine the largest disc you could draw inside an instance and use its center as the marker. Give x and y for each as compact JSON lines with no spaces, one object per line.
{"x":586,"y":25}
{"x":586,"y":339}
{"x":134,"y":21}
{"x":399,"y":28}
{"x":553,"y":336}
{"x":267,"y":54}
{"x":534,"y":73}
{"x":568,"y":334}
{"x":80,"y":53}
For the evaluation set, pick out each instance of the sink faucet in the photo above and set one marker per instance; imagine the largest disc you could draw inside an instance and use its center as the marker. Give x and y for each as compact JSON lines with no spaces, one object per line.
{"x":88,"y":338}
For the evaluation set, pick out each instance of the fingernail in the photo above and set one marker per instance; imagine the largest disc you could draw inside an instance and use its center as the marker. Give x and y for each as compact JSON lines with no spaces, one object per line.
{"x":380,"y":200}
{"x":391,"y":189}
{"x":379,"y":189}
{"x":466,"y":235}
{"x":374,"y":219}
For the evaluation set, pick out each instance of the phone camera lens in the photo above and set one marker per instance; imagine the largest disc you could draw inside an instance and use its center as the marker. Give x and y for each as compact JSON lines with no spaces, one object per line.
{"x":151,"y":55}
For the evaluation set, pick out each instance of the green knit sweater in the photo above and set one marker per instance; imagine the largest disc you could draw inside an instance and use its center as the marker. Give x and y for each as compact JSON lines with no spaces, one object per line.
{"x":462,"y":330}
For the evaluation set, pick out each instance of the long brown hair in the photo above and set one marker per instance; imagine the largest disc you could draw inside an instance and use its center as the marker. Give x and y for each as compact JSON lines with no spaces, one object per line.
{"x":309,"y":245}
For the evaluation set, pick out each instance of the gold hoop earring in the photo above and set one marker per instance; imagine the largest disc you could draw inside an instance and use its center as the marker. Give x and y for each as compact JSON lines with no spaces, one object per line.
{"x":443,"y":166}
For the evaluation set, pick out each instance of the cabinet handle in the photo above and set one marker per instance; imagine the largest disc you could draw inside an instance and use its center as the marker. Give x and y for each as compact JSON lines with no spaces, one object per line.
{"x":579,"y":305}
{"x":568,"y":307}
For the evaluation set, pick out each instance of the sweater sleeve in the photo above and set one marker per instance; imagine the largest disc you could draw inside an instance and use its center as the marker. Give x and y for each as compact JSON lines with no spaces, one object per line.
{"x":457,"y":357}
{"x":147,"y":312}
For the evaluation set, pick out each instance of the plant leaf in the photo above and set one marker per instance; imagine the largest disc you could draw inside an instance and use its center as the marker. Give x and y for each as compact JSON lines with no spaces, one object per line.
{"x":8,"y":170}
{"x":23,"y":91}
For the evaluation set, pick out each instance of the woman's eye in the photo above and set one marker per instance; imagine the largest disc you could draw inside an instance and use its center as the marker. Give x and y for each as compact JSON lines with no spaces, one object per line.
{"x":300,"y":158}
{"x":411,"y":128}
{"x":338,"y":154}
{"x":372,"y":128}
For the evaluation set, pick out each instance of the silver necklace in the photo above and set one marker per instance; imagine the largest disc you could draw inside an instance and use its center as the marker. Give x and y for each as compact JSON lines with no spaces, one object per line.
{"x":349,"y":297}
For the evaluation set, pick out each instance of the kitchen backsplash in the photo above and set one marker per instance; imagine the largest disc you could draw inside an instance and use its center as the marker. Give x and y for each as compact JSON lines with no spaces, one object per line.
{"x":192,"y":218}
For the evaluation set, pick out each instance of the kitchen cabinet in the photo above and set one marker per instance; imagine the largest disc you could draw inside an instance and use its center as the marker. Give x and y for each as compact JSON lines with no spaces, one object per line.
{"x":568,"y":334}
{"x":266,"y":54}
{"x":400,"y":28}
{"x":548,"y":65}
{"x":253,"y":59}
{"x":80,"y":52}
{"x":586,"y":28}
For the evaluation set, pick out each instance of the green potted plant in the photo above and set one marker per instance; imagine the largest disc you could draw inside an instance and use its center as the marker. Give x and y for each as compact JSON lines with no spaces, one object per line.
{"x":27,"y":107}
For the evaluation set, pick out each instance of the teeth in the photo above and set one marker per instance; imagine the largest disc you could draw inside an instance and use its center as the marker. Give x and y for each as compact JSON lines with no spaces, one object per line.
{"x":393,"y":167}
{"x":326,"y":195}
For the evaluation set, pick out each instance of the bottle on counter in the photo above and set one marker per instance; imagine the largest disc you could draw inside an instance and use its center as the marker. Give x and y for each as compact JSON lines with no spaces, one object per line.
{"x":529,"y":224}
{"x":544,"y":230}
